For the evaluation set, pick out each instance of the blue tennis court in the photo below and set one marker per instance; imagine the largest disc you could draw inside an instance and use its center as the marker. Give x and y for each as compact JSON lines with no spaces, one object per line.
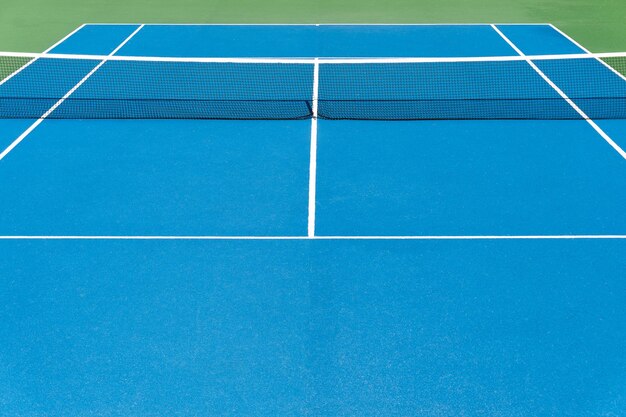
{"x":357,"y":267}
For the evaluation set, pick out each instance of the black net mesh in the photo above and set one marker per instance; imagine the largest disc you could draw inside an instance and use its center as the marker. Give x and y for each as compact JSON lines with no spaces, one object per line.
{"x":152,"y":88}
{"x":157,"y":90}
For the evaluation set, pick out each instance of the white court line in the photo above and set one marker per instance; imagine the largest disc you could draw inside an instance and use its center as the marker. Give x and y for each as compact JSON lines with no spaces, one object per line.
{"x":313,"y":153}
{"x":319,"y":24}
{"x":58,"y":103}
{"x":321,"y":61}
{"x":66,"y":37}
{"x":563,"y":95}
{"x":569,"y":38}
{"x":415,"y":237}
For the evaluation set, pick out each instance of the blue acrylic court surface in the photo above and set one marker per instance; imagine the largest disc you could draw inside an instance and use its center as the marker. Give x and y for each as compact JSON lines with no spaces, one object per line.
{"x":313,"y":268}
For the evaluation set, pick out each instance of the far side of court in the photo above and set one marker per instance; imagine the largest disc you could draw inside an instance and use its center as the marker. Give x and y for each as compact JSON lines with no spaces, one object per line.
{"x":32,"y":25}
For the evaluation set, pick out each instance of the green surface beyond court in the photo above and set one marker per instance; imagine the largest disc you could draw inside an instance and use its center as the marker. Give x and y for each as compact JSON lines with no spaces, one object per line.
{"x":9,"y":65}
{"x":33,"y":25}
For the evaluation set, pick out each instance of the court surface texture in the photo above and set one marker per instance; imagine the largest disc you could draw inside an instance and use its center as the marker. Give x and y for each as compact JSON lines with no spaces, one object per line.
{"x":378,"y":268}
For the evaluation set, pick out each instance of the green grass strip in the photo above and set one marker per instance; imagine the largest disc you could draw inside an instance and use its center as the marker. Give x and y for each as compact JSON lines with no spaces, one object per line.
{"x":618,"y":63}
{"x":8,"y":65}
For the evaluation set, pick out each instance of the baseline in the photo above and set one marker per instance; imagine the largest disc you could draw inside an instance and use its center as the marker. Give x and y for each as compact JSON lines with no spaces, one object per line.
{"x":319,"y":24}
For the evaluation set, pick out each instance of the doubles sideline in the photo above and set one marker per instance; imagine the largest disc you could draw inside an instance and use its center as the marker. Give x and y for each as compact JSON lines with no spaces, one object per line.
{"x":43,"y":117}
{"x":569,"y":101}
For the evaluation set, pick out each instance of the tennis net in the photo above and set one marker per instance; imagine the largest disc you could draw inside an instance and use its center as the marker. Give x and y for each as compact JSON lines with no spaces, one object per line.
{"x":118,"y":87}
